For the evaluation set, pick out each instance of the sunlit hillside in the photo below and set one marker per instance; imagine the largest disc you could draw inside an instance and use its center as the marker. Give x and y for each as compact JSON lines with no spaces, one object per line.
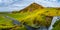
{"x":26,"y":14}
{"x":35,"y":14}
{"x":32,"y":7}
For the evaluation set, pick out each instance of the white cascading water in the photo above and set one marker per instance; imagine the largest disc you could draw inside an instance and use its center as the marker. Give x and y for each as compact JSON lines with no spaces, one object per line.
{"x":55,"y":18}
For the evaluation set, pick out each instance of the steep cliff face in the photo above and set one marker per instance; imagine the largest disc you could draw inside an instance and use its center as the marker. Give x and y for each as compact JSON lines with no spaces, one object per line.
{"x":32,"y":7}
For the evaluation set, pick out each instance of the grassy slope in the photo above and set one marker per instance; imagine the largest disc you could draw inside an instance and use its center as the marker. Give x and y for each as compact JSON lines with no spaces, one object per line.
{"x":38,"y":14}
{"x":56,"y":25}
{"x":30,"y":16}
{"x":5,"y":23}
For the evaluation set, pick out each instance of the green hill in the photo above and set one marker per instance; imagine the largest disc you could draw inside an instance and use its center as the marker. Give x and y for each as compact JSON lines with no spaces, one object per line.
{"x":32,"y":7}
{"x":35,"y":14}
{"x":35,"y":11}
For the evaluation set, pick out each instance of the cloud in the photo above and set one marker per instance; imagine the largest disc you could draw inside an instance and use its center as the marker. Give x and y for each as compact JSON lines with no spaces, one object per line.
{"x":48,"y":3}
{"x":10,"y":5}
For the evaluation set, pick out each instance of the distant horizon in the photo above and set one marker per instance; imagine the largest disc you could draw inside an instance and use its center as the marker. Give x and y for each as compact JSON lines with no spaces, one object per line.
{"x":12,"y":5}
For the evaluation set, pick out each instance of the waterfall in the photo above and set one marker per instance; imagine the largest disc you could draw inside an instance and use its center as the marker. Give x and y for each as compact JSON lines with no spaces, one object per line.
{"x":55,"y":18}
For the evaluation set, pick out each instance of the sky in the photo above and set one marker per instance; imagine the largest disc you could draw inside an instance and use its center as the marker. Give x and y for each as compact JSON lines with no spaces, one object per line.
{"x":14,"y":5}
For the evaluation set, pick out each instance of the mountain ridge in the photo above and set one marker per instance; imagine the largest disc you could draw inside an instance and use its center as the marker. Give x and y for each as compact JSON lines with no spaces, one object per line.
{"x":32,"y":7}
